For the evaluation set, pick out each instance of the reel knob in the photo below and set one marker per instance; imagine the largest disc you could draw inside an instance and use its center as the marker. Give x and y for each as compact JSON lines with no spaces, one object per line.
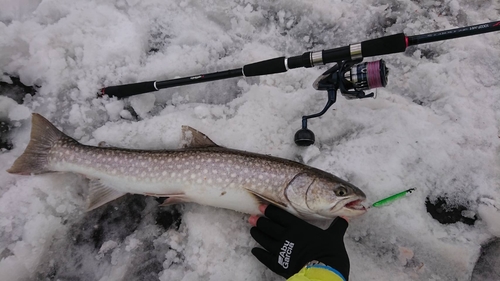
{"x":304,"y":137}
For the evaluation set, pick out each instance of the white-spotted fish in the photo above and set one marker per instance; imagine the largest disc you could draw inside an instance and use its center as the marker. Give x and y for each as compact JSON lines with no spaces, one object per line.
{"x":201,"y":172}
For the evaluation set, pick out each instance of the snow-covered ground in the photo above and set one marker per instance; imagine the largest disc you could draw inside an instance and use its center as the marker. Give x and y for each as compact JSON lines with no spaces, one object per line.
{"x":435,"y":127}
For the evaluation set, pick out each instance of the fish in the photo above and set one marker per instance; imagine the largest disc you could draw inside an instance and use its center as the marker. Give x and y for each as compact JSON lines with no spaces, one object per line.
{"x":200,"y":172}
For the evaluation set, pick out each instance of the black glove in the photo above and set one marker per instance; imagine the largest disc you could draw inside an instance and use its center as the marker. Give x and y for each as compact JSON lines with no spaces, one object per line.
{"x":290,"y":243}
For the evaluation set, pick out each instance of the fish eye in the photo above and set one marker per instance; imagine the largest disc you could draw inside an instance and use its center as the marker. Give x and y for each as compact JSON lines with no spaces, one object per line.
{"x":341,"y":191}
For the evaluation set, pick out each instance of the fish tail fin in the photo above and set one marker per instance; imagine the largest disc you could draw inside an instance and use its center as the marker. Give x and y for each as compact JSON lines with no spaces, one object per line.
{"x":34,"y":160}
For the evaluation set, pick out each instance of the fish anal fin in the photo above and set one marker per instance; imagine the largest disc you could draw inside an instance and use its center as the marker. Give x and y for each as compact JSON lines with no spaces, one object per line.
{"x":193,"y":138}
{"x":100,"y":194}
{"x":261,"y":199}
{"x":175,"y":199}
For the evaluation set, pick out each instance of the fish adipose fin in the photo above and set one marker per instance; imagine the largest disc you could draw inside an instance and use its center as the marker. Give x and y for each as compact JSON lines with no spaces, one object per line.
{"x":192,"y":138}
{"x":175,"y":199}
{"x":44,"y":136}
{"x":100,"y":194}
{"x":266,"y":201}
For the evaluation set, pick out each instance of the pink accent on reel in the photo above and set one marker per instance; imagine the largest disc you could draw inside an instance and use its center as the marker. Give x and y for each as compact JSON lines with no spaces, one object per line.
{"x":373,"y":74}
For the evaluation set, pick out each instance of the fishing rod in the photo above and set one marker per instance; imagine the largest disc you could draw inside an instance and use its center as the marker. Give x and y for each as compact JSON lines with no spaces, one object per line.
{"x":349,"y":75}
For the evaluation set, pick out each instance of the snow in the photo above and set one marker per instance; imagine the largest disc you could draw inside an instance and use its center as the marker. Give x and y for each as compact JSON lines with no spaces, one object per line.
{"x":434,"y":127}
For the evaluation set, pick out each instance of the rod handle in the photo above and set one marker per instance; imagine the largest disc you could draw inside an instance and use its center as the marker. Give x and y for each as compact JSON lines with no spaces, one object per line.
{"x":385,"y":45}
{"x":276,"y":65}
{"x":128,"y":90}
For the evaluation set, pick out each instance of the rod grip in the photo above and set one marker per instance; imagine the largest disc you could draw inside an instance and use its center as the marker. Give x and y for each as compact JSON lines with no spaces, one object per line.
{"x":128,"y":90}
{"x":276,"y":65}
{"x":383,"y":46}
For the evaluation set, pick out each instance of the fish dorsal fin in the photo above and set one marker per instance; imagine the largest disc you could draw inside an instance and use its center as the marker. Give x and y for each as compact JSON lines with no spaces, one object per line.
{"x":100,"y":194}
{"x":261,"y":199}
{"x":193,"y":138}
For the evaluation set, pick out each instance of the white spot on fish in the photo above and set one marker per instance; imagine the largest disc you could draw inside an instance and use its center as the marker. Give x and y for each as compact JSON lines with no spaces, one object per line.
{"x":199,"y":181}
{"x":186,"y":171}
{"x":205,"y":171}
{"x":193,"y":176}
{"x":172,"y":175}
{"x":165,"y":173}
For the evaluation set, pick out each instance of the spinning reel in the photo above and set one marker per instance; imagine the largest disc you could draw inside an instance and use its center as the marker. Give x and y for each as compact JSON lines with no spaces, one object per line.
{"x":351,"y":77}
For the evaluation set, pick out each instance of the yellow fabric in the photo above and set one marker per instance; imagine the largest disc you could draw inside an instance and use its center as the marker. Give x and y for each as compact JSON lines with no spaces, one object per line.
{"x":315,"y":274}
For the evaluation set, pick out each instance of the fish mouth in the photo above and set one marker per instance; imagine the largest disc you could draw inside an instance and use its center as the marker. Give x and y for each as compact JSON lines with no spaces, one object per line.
{"x":355,"y":205}
{"x":352,"y":208}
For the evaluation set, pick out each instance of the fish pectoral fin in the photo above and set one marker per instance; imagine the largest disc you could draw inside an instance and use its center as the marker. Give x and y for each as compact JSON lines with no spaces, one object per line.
{"x":101,"y":194}
{"x":175,"y":199}
{"x":193,"y":138}
{"x":266,"y":200}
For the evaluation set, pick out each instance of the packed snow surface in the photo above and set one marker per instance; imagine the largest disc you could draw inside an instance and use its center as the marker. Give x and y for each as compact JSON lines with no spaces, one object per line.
{"x":435,"y":127}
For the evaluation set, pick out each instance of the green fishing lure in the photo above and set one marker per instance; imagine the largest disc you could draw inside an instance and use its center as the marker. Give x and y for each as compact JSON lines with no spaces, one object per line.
{"x":392,"y":198}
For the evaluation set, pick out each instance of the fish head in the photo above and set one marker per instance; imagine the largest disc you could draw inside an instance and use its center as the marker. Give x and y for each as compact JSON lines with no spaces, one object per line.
{"x":329,"y":197}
